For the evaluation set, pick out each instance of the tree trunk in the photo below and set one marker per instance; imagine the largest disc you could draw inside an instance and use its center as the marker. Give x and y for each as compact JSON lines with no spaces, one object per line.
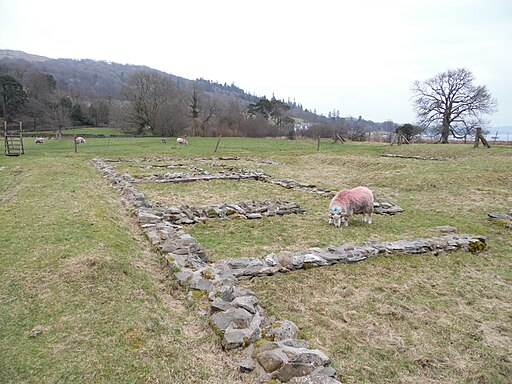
{"x":445,"y":133}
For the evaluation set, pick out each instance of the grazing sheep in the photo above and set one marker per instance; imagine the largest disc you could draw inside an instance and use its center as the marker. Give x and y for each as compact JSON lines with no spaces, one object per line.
{"x":80,"y":140}
{"x":181,"y":141}
{"x":39,"y":140}
{"x":163,"y":141}
{"x":349,"y":202}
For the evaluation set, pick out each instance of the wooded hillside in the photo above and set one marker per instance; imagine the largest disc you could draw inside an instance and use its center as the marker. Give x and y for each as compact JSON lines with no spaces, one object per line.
{"x":57,"y":93}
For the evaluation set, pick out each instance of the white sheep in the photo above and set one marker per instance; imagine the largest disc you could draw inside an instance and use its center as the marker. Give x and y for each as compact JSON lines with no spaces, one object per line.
{"x":80,"y":140}
{"x":39,"y":140}
{"x":181,"y":141}
{"x":348,"y":202}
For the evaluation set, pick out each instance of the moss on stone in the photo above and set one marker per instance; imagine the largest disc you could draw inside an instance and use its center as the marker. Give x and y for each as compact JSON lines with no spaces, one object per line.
{"x":197,"y":294}
{"x":263,"y":340}
{"x":207,"y":274}
{"x":476,"y":246}
{"x":308,"y":265}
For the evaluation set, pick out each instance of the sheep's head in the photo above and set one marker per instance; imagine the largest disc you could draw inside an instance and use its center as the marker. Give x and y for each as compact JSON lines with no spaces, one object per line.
{"x":338,"y":216}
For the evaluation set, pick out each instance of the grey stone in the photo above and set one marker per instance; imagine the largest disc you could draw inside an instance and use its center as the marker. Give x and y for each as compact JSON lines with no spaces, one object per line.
{"x":264,"y":346}
{"x":201,"y":284}
{"x":283,"y":330}
{"x":237,"y":317}
{"x":242,"y":337}
{"x":297,"y":261}
{"x":271,"y":259}
{"x":227,"y":293}
{"x":394,"y":210}
{"x":493,"y":216}
{"x":145,"y":217}
{"x":243,"y":262}
{"x":308,"y":356}
{"x":219,"y":305}
{"x":246,"y":302}
{"x":356,"y":256}
{"x":233,"y":338}
{"x":246,"y":365}
{"x":327,"y":371}
{"x":314,"y":379}
{"x":314,"y":259}
{"x":186,"y":237}
{"x":271,"y":360}
{"x":296,"y":343}
{"x":292,"y":369}
{"x":183,"y":276}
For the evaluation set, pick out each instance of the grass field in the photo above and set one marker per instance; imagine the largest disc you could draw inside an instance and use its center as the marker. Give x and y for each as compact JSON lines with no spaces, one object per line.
{"x":82,"y":299}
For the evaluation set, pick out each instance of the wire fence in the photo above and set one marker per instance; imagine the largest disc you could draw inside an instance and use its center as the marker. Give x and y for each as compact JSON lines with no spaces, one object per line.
{"x":498,"y":136}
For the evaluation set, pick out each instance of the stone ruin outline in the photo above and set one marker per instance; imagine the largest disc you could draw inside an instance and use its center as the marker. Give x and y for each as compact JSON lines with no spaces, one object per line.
{"x":269,"y":346}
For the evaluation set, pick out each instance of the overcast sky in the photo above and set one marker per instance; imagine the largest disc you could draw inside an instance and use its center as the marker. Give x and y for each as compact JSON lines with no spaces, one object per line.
{"x":359,"y":57}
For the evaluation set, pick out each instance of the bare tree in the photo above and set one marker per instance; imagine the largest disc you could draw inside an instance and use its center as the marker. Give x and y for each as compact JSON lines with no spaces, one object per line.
{"x":58,"y":111}
{"x":39,"y":88}
{"x":201,"y":112}
{"x":449,"y":101}
{"x":155,"y":102}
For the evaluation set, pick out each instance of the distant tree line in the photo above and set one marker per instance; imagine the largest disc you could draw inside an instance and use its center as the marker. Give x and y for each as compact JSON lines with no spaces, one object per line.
{"x":143,"y":101}
{"x":148,"y":103}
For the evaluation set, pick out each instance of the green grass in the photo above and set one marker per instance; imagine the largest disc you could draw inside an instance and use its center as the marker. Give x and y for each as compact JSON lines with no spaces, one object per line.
{"x":74,"y":265}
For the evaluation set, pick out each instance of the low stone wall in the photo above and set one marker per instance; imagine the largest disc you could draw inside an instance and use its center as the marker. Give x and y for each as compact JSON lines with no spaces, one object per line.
{"x":243,"y":210}
{"x":271,"y":347}
{"x":502,"y":218}
{"x":415,"y":157}
{"x":347,"y":253}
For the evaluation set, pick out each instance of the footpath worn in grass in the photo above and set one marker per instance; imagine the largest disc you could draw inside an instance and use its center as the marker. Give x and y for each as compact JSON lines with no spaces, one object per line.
{"x":82,"y":299}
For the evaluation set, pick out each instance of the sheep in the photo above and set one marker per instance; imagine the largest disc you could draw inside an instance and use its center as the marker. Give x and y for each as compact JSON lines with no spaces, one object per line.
{"x":348,"y":202}
{"x":181,"y":141}
{"x":80,"y":140}
{"x":39,"y":140}
{"x":163,"y":141}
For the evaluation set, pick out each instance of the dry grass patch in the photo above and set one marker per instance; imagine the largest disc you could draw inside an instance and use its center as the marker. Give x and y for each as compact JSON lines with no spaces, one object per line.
{"x":402,"y":319}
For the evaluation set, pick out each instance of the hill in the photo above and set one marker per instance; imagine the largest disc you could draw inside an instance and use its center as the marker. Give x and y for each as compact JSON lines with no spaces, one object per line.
{"x":94,"y":80}
{"x":19,"y":55}
{"x":102,"y":78}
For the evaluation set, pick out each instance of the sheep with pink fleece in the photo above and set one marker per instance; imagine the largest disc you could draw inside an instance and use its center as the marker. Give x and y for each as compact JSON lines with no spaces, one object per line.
{"x":349,"y":202}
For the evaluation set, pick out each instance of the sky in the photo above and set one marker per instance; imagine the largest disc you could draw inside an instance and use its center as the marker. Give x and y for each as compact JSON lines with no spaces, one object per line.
{"x":358,"y":57}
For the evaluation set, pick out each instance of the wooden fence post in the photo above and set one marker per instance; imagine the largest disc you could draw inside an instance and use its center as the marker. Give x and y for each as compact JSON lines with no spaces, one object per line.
{"x":477,"y":138}
{"x":480,"y":137}
{"x":217,"y":146}
{"x":318,"y":144}
{"x":76,"y":146}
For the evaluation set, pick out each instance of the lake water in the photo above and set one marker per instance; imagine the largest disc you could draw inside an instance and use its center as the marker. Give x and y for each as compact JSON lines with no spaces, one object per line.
{"x":501,"y":134}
